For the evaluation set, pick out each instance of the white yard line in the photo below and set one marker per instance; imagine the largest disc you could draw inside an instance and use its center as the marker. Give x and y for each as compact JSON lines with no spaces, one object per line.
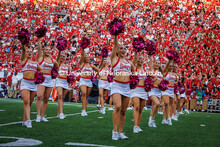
{"x":13,"y":123}
{"x":83,"y":144}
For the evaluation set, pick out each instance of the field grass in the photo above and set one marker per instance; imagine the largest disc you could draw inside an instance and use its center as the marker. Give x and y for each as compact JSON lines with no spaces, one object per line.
{"x":93,"y":130}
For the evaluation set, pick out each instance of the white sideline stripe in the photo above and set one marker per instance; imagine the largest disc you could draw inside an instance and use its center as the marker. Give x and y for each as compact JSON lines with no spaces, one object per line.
{"x":2,"y":110}
{"x":83,"y":144}
{"x":13,"y":123}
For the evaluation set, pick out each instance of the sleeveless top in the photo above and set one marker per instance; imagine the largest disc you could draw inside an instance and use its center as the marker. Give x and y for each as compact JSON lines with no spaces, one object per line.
{"x":29,"y":66}
{"x":170,"y":77}
{"x":86,"y":69}
{"x":63,"y":69}
{"x":122,"y":66}
{"x":46,"y":66}
{"x":141,"y":75}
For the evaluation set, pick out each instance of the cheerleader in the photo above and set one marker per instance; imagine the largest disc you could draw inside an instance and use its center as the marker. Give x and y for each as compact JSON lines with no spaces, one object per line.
{"x":62,"y":85}
{"x":183,"y":98}
{"x":176,"y":96}
{"x":85,"y":82}
{"x":104,"y":85}
{"x":155,"y":93}
{"x":120,"y":88}
{"x":168,"y":95}
{"x":28,"y":87}
{"x":44,"y":89}
{"x":138,"y":95}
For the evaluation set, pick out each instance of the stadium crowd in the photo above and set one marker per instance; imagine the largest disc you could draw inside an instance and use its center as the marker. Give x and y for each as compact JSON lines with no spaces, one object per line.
{"x":190,"y":28}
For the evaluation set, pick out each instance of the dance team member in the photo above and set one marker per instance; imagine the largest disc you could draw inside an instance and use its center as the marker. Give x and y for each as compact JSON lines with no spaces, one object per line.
{"x":104,"y":85}
{"x":183,"y":98}
{"x":28,"y":86}
{"x":120,"y":88}
{"x":138,"y":95}
{"x":62,"y":85}
{"x":176,"y":96}
{"x":44,"y":90}
{"x":168,"y":95}
{"x":85,"y":82}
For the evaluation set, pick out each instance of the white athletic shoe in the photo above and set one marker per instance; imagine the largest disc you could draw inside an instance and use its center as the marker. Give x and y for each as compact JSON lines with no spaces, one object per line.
{"x":181,"y":112}
{"x":129,"y":108}
{"x":187,"y":112}
{"x":145,"y":108}
{"x":122,"y":136}
{"x":174,"y":118}
{"x":139,"y":129}
{"x":61,"y":116}
{"x":23,"y":124}
{"x":136,"y":129}
{"x":160,"y":112}
{"x":38,"y":118}
{"x":114,"y":135}
{"x":165,"y":122}
{"x":86,"y":113}
{"x":110,"y":108}
{"x":99,"y":106}
{"x":194,"y":110}
{"x":151,"y":123}
{"x":28,"y":124}
{"x":102,"y":111}
{"x":169,"y":120}
{"x":43,"y":119}
{"x":203,"y":110}
{"x":83,"y":113}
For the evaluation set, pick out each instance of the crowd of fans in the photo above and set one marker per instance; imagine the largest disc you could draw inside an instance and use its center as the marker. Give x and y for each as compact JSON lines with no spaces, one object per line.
{"x":190,"y":28}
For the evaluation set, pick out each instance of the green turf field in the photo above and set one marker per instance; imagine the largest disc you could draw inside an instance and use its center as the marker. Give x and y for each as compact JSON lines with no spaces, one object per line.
{"x":93,"y":130}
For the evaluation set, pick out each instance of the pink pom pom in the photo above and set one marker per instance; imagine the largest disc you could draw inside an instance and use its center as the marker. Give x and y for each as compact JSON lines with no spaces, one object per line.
{"x":41,"y":31}
{"x":104,"y":52}
{"x":182,"y":90}
{"x":39,"y":77}
{"x":84,"y":43}
{"x":150,"y":47}
{"x":149,"y":84}
{"x":170,"y":55}
{"x":189,"y":91}
{"x":71,"y":78}
{"x":61,"y":43}
{"x":54,"y":73}
{"x":176,"y":58}
{"x":138,"y":44}
{"x":176,"y":88}
{"x":110,"y":78}
{"x":188,"y":86}
{"x":116,"y":27}
{"x":24,"y":36}
{"x":134,"y":80}
{"x":163,"y":86}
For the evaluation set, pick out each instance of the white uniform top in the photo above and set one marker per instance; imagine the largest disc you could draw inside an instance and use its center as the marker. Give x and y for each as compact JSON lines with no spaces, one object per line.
{"x":141,"y":75}
{"x":122,"y":66}
{"x":159,"y":76}
{"x":104,"y":72}
{"x":86,"y":69}
{"x":63,"y":69}
{"x":170,"y":77}
{"x":29,"y":66}
{"x":46,"y":66}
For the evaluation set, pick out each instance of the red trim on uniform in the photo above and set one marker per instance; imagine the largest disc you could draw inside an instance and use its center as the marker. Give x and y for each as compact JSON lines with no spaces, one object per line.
{"x":171,"y":86}
{"x":85,"y":78}
{"x":24,"y":63}
{"x":46,"y":74}
{"x":121,"y":82}
{"x":104,"y":79}
{"x":166,"y":75}
{"x":140,"y":86}
{"x":28,"y":79}
{"x":116,"y":63}
{"x":42,"y":61}
{"x":61,"y":78}
{"x":156,"y":87}
{"x":29,"y":70}
{"x":82,"y":66}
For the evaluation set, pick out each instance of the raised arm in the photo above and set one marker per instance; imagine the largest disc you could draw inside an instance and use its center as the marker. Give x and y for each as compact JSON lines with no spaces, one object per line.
{"x":151,"y":63}
{"x":114,"y":50}
{"x":23,"y":57}
{"x":95,"y":68}
{"x":81,"y":61}
{"x":39,"y":54}
{"x":100,"y":65}
{"x":135,"y":58}
{"x":38,"y":67}
{"x":165,"y":69}
{"x":58,"y":57}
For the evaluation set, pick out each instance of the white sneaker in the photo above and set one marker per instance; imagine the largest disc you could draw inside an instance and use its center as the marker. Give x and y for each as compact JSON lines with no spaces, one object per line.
{"x":61,"y":116}
{"x":28,"y":124}
{"x":203,"y":110}
{"x":24,"y":123}
{"x":83,"y":113}
{"x":169,"y":120}
{"x":174,"y":118}
{"x":139,"y":129}
{"x":187,"y":112}
{"x":43,"y":119}
{"x":194,"y":110}
{"x":145,"y":108}
{"x":110,"y":108}
{"x":160,"y":112}
{"x":165,"y":122}
{"x":86,"y":113}
{"x":136,"y":129}
{"x":102,"y":111}
{"x":38,"y":118}
{"x":129,"y":108}
{"x":151,"y":123}
{"x":99,"y":106}
{"x":114,"y":135}
{"x":122,"y":136}
{"x":181,"y":112}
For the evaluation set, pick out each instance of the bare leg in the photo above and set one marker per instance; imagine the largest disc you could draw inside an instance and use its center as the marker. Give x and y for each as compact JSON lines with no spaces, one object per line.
{"x":45,"y":100}
{"x":117,"y":101}
{"x":125,"y":101}
{"x":156,"y":102}
{"x":40,"y":96}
